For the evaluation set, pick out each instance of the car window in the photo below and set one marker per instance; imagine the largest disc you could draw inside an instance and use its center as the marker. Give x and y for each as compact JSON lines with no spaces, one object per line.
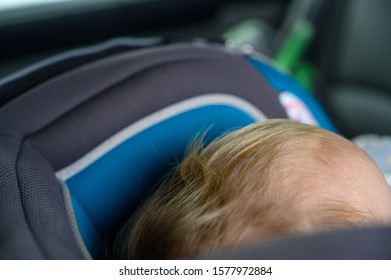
{"x":16,"y":4}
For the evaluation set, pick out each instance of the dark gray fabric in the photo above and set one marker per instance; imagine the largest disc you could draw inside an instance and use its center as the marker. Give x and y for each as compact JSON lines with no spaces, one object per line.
{"x":151,"y":82}
{"x":42,"y":105}
{"x":353,"y":244}
{"x":33,"y":221}
{"x":16,"y":239}
{"x":44,"y":206}
{"x":18,"y":83}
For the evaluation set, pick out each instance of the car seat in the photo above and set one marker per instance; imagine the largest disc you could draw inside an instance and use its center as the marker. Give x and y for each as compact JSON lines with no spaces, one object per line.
{"x":353,"y":54}
{"x":85,"y":136}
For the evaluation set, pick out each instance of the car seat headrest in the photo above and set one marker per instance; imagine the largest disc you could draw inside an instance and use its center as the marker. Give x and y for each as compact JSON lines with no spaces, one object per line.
{"x":89,"y":144}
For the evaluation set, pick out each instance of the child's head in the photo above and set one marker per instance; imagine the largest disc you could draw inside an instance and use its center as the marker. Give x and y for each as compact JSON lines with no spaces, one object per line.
{"x":264,"y":180}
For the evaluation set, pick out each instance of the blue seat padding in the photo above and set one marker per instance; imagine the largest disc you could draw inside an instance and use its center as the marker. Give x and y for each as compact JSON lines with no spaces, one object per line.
{"x":107,"y":189}
{"x":284,"y":82}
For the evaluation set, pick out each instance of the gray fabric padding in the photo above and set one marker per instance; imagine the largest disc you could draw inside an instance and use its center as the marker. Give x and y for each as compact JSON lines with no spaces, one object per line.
{"x":82,"y":52}
{"x":350,"y":244}
{"x":161,"y":79}
{"x":44,"y":207}
{"x":33,"y":223}
{"x":17,"y":83}
{"x":16,"y":238}
{"x":42,"y":105}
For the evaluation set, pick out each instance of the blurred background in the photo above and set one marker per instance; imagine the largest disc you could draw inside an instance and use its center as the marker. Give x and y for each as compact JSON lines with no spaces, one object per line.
{"x":339,"y":50}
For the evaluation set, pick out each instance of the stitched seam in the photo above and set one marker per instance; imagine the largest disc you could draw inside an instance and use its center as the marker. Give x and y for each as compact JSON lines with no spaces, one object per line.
{"x":44,"y":255}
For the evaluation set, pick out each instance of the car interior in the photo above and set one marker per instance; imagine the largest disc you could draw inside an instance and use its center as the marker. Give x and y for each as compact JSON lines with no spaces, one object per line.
{"x":349,"y":45}
{"x":336,"y":50}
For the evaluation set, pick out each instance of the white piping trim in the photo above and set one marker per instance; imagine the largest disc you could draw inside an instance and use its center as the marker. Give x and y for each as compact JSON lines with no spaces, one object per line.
{"x":73,"y":222}
{"x":154,"y":118}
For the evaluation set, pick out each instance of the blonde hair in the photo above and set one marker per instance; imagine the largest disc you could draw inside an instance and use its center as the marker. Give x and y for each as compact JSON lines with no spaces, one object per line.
{"x":250,"y":184}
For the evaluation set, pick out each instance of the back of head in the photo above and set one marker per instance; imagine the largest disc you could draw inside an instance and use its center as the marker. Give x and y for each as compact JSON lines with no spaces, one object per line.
{"x":266,"y":179}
